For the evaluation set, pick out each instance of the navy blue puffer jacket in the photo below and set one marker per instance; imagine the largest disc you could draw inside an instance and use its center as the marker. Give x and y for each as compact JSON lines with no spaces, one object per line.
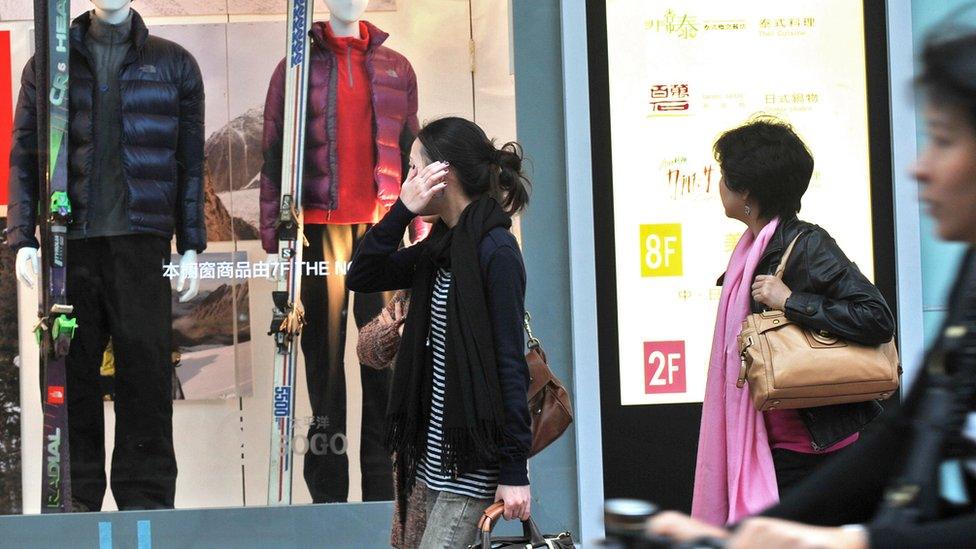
{"x":162,"y":102}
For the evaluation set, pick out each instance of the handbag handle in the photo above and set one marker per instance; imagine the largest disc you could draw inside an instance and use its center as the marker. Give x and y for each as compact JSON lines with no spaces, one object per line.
{"x":491,"y":516}
{"x":786,"y":257}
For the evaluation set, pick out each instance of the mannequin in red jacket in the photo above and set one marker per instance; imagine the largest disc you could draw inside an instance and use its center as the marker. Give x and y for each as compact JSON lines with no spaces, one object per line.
{"x":362,"y":104}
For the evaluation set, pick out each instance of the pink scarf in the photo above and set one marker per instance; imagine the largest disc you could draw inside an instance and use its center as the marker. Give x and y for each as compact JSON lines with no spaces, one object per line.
{"x":734,"y":474}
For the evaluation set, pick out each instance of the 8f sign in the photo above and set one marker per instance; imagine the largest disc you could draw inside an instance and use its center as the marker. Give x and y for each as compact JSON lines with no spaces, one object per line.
{"x":661,"y":250}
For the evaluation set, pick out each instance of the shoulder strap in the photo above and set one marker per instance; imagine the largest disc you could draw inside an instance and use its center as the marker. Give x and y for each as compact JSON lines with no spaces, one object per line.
{"x":786,"y":257}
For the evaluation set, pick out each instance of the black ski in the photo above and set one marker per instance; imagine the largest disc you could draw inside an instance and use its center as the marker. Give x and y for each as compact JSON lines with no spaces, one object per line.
{"x":55,"y":329}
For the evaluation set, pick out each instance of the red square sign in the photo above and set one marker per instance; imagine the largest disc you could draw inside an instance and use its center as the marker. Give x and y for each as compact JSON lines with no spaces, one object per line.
{"x":664,"y":367}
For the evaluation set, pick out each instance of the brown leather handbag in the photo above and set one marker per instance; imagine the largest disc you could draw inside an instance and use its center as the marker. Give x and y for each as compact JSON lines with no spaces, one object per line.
{"x":530,"y":533}
{"x":789,"y":366}
{"x":549,"y":404}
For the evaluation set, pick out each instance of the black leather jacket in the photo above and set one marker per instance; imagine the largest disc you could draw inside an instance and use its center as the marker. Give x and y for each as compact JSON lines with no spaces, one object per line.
{"x":162,"y":141}
{"x":829,"y":293}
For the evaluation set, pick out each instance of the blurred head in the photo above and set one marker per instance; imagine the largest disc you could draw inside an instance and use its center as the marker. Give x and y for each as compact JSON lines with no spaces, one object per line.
{"x":477,"y":167}
{"x":946,"y":167}
{"x":347,"y":11}
{"x":766,"y":169}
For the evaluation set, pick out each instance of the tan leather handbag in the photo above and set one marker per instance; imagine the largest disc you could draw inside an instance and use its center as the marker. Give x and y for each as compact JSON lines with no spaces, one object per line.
{"x":789,"y":366}
{"x":549,"y":404}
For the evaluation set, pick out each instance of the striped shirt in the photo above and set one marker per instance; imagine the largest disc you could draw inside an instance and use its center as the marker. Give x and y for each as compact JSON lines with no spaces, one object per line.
{"x":479,"y":484}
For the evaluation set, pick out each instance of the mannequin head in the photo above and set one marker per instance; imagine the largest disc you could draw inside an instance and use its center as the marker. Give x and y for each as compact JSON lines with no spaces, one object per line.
{"x":112,"y":11}
{"x":343,"y":11}
{"x":111,"y":5}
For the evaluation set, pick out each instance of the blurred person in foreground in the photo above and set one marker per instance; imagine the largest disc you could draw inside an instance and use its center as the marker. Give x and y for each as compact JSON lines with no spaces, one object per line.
{"x":911,"y":482}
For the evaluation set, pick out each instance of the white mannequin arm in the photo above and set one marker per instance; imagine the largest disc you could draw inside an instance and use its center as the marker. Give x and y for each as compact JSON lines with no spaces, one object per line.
{"x":28,"y":266}
{"x":188,"y":263}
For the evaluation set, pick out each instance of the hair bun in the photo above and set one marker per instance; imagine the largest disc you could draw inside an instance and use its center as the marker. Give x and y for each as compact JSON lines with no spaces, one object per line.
{"x":509,"y":156}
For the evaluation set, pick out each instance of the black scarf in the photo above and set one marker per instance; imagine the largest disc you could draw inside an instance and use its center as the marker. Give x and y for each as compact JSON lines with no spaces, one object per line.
{"x":473,"y":411}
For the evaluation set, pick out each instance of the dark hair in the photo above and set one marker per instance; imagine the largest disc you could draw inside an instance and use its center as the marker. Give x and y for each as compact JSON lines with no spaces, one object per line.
{"x":948,"y":72}
{"x":480,"y":166}
{"x":766,"y":158}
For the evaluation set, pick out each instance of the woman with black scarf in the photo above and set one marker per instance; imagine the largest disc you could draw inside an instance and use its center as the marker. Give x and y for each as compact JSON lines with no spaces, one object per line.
{"x":458,"y":420}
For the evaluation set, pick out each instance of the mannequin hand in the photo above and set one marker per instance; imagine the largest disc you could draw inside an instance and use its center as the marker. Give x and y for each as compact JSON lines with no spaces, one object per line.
{"x":771,"y":292}
{"x":28,"y":266}
{"x":422,"y":186}
{"x":275,"y":265}
{"x":188,"y":263}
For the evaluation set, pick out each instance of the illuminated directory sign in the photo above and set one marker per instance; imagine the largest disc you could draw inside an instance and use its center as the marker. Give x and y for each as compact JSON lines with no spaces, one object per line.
{"x":680,"y":74}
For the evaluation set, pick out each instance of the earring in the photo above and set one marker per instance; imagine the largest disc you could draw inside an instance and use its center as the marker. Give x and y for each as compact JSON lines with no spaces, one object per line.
{"x":748,"y":210}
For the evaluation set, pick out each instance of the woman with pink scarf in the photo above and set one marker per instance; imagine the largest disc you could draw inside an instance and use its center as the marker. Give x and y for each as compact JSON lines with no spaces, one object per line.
{"x":746,"y":458}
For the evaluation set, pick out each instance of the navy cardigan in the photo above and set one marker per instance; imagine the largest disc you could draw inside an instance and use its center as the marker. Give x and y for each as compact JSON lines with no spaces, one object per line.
{"x":380,"y":265}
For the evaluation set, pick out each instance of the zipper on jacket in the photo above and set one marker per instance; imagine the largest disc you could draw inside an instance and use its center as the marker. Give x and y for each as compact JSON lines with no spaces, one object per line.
{"x":349,"y":64}
{"x":93,"y":69}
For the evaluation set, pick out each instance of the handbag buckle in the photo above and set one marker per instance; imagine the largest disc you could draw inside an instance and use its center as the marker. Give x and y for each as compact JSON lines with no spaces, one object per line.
{"x":743,"y":364}
{"x":824,"y":337}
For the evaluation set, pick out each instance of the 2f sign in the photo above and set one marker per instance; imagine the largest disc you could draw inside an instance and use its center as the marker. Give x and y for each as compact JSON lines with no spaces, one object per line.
{"x":661,"y":250}
{"x":664,"y":367}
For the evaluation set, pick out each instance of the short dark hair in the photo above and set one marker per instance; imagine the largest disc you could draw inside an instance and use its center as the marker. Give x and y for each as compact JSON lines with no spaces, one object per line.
{"x":481,"y":167}
{"x":765,"y":157}
{"x":948,"y":72}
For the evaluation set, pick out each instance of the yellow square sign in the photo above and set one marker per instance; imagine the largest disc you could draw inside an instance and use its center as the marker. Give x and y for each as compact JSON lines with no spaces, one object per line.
{"x":660,"y":248}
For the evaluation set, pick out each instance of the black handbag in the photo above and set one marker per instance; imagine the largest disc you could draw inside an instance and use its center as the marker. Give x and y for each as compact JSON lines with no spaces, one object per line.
{"x":530,"y":534}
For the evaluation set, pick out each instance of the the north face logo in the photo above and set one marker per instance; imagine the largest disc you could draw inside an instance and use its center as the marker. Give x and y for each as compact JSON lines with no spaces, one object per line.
{"x":392,"y":73}
{"x":151,"y":69}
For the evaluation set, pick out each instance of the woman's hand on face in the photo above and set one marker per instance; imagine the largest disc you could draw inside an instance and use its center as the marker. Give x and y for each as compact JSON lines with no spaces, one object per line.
{"x":680,"y":527}
{"x":780,"y":534}
{"x":422,"y":185}
{"x":517,"y":499}
{"x":771,"y":292}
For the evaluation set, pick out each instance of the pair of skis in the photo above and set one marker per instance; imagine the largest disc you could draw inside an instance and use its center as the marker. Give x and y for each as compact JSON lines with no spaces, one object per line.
{"x":288,"y":316}
{"x":55,"y":329}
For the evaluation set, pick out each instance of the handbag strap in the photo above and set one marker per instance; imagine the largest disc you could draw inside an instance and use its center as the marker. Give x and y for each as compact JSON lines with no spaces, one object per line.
{"x":786,"y":257}
{"x":533,"y":342}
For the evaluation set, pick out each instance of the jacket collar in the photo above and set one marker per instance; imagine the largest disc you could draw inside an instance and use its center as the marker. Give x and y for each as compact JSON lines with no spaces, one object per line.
{"x":376,"y":36}
{"x":785,"y":232}
{"x":339,"y":44}
{"x":79,"y":29}
{"x":109,"y":34}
